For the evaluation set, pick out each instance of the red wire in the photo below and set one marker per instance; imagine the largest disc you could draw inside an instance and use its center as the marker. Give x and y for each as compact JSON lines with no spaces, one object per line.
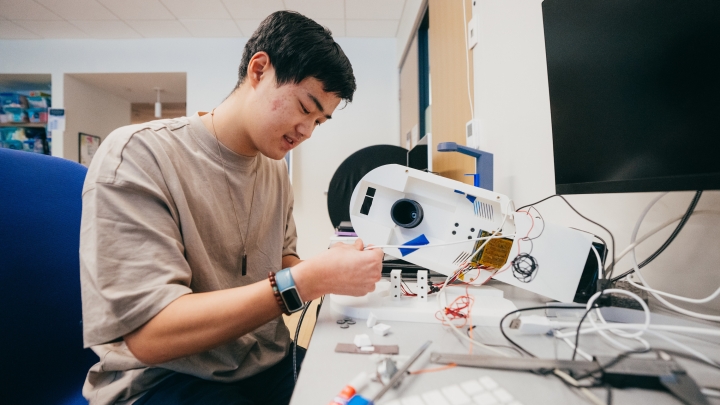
{"x":532,"y":225}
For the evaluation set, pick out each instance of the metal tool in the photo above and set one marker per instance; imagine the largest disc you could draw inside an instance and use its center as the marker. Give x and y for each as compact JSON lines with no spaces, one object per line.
{"x":359,"y":400}
{"x":401,"y":372}
{"x":628,"y":372}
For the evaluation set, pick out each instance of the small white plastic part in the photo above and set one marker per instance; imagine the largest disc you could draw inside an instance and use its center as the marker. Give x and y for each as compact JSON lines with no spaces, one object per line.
{"x":422,"y":285}
{"x":395,"y":280}
{"x":472,"y":29}
{"x":362,"y":340}
{"x":381,"y":329}
{"x":372,"y":320}
{"x":532,"y":325}
{"x":368,"y":348}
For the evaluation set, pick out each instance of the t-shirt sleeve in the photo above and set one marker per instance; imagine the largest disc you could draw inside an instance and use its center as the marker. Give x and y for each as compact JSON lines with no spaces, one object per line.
{"x":132,"y":260}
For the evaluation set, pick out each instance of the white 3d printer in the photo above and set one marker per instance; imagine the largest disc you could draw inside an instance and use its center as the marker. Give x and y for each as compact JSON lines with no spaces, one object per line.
{"x":439,"y":224}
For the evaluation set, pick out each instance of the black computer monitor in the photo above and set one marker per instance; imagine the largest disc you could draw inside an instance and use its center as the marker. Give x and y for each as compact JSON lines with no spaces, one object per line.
{"x":634,"y":94}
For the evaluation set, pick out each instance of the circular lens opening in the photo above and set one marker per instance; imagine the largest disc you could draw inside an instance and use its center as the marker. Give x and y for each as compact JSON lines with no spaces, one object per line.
{"x":406,"y":213}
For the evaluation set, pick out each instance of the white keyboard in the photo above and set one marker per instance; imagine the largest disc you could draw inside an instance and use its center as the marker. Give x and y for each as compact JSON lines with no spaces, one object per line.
{"x":483,"y":391}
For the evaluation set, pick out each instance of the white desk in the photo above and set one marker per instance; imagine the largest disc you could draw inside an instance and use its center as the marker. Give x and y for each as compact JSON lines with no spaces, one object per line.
{"x":324,"y":373}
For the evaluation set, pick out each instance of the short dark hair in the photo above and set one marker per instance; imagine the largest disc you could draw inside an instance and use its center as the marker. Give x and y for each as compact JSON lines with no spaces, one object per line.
{"x":299,"y":48}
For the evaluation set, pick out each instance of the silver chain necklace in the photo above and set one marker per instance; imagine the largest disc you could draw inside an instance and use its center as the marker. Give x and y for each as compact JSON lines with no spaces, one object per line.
{"x":232,"y":200}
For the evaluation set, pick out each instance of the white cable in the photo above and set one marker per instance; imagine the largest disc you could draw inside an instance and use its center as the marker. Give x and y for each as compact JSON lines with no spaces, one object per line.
{"x":664,"y":328}
{"x":438,"y":244}
{"x":618,"y":332}
{"x":467,"y":64}
{"x":673,"y":296}
{"x":710,"y":392}
{"x":578,"y":350}
{"x":658,"y":294}
{"x":669,"y":328}
{"x":597,"y":255}
{"x":644,"y":306}
{"x":685,"y":347}
{"x":443,"y":296}
{"x":658,"y":229}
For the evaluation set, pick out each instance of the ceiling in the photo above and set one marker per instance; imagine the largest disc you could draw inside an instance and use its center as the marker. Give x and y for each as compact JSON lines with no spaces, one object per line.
{"x":127,"y":19}
{"x":139,"y":87}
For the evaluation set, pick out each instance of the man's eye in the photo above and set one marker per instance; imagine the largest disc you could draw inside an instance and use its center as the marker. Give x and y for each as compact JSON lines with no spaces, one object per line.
{"x":304,"y":109}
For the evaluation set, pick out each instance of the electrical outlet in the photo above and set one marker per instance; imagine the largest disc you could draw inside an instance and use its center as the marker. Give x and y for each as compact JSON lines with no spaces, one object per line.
{"x":472,"y":30}
{"x":472,"y":134}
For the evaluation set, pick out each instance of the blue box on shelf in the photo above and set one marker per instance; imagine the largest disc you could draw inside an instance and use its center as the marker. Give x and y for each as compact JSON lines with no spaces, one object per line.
{"x":11,"y":99}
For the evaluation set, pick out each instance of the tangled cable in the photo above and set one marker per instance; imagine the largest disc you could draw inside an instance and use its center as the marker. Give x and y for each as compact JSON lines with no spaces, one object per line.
{"x":525,"y":267}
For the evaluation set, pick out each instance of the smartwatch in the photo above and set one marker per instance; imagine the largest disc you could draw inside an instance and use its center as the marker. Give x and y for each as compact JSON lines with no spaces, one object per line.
{"x":288,"y":291}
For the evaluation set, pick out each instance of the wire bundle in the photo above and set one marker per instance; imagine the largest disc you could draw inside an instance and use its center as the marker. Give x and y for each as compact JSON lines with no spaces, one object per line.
{"x":524,"y":267}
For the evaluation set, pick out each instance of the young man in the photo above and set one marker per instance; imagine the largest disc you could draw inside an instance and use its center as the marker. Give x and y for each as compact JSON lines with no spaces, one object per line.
{"x":183,"y":220}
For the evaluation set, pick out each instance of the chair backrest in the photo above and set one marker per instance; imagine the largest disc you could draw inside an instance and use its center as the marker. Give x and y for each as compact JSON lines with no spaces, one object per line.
{"x":42,"y":351}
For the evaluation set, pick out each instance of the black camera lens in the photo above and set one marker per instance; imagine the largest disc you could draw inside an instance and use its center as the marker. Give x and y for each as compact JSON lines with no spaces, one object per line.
{"x":406,"y":213}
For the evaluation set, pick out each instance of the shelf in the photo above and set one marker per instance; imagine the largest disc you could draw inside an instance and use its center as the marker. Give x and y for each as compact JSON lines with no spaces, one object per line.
{"x":24,"y":124}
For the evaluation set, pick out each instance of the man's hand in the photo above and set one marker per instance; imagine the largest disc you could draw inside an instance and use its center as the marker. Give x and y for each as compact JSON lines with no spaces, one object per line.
{"x":343,"y":269}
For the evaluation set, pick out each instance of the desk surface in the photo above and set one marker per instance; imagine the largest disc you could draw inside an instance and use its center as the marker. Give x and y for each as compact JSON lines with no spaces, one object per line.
{"x":324,"y":373}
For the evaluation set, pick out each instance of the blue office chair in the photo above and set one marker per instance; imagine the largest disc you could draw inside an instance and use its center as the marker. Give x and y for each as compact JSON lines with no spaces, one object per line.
{"x":41,"y":348}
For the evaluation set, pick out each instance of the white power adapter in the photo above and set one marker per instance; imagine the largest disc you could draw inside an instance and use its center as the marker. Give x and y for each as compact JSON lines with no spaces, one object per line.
{"x":531,"y":325}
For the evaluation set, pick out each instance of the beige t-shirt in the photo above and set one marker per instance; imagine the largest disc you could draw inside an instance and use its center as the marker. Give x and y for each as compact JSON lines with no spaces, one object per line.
{"x":158,"y":223}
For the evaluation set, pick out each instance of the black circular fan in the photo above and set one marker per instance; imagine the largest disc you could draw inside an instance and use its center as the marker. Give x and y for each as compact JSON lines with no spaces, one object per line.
{"x":348,"y":175}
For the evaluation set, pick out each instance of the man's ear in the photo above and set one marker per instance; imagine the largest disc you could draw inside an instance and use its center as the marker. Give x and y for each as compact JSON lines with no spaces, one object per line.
{"x":258,"y":68}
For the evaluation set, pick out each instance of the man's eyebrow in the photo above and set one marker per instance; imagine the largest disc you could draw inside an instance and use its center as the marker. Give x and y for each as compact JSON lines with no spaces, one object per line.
{"x":319,"y":106}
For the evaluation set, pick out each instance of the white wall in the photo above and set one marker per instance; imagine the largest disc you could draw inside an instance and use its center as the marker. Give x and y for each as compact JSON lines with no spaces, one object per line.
{"x":210,"y":64}
{"x":372,"y":118}
{"x":512,"y":103}
{"x":211,"y":67}
{"x":92,"y":111}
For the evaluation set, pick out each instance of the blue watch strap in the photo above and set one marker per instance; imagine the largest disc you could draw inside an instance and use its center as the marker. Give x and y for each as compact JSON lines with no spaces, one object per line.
{"x":284,"y":279}
{"x":288,"y":290}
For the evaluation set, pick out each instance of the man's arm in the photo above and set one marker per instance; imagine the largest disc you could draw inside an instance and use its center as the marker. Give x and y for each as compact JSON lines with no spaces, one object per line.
{"x":290,"y":261}
{"x":198,"y":322}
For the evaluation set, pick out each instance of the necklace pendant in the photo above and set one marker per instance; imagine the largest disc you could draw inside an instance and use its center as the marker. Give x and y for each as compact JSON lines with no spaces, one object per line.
{"x":243,"y":266}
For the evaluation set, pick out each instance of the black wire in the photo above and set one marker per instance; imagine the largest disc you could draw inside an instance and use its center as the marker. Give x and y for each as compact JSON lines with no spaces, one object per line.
{"x":524,"y":267}
{"x":612,"y":237}
{"x":672,"y":237}
{"x":502,"y":330}
{"x":577,"y":332}
{"x":688,"y":357}
{"x":295,"y":343}
{"x":614,"y":361}
{"x":493,"y":345}
{"x":407,"y":287}
{"x":541,"y":219}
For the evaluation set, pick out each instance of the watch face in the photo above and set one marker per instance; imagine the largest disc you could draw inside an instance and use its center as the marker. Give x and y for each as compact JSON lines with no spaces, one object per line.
{"x":292,"y":299}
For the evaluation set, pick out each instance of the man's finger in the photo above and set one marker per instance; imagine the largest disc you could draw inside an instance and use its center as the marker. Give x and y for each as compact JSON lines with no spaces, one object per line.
{"x":359,"y":244}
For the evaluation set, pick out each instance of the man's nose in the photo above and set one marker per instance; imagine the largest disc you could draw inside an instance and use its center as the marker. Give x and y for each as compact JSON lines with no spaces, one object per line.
{"x":305,"y":130}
